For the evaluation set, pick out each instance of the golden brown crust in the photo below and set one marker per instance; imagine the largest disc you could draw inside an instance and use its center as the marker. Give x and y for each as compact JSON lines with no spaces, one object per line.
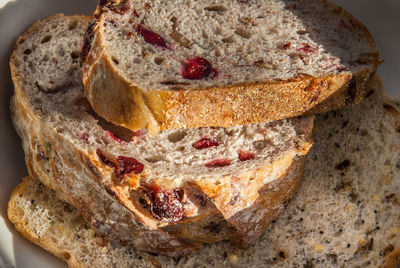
{"x":392,"y":260}
{"x":117,"y":100}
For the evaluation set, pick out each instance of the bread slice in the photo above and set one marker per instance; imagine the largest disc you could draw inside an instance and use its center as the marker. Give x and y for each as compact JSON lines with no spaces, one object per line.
{"x":189,"y":64}
{"x":345,"y":214}
{"x":167,"y":193}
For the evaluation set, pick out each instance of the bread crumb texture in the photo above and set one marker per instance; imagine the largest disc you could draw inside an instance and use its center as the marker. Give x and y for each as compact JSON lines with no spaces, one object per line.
{"x":345,"y":214}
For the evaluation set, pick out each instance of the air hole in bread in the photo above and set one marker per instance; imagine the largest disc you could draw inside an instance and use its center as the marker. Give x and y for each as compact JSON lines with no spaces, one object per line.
{"x":121,"y":133}
{"x":66,"y":255}
{"x":243,"y":33}
{"x":218,"y":30}
{"x":61,"y":52}
{"x":174,"y":21}
{"x":204,"y":34}
{"x":46,"y":39}
{"x":217,"y":8}
{"x":181,"y":39}
{"x":154,"y":159}
{"x":38,"y":101}
{"x":27,"y":51}
{"x":31,"y":66}
{"x":115,"y":61}
{"x":177,"y":136}
{"x":391,"y":109}
{"x":364,"y":133}
{"x":158,"y":60}
{"x":231,"y":132}
{"x":302,"y":32}
{"x":73,"y":25}
{"x":259,"y":145}
{"x":229,"y":39}
{"x":398,"y":129}
{"x":137,"y":60}
{"x":75,"y":54}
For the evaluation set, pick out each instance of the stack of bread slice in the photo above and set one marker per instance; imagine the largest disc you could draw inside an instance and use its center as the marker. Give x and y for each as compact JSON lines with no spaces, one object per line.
{"x":170,"y":125}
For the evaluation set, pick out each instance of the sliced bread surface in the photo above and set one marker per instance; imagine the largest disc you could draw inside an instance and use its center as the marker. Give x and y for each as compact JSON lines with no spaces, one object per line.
{"x":186,"y":64}
{"x":156,"y":192}
{"x":345,"y":214}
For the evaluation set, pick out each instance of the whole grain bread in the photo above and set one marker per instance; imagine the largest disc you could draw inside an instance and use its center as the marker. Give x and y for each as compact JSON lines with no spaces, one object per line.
{"x":167,"y":193}
{"x":345,"y":214}
{"x":259,"y":60}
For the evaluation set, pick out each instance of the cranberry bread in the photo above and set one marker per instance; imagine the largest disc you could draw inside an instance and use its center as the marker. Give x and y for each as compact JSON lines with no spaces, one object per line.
{"x":190,"y":64}
{"x":345,"y":214}
{"x":159,"y":193}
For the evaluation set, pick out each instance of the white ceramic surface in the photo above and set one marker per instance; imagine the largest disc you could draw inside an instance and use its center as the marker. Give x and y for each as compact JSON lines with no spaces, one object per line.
{"x":381,"y":17}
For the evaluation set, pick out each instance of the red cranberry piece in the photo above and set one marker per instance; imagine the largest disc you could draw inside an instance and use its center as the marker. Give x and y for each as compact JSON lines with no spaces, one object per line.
{"x":204,"y":143}
{"x":112,"y":136}
{"x":151,"y":37}
{"x":127,"y":165}
{"x":140,"y":132}
{"x":124,"y":165}
{"x":104,"y":158}
{"x":198,"y":68}
{"x":84,"y":136}
{"x":166,"y":205}
{"x":244,"y":156}
{"x":287,"y":45}
{"x":307,"y":48}
{"x":87,"y":40}
{"x":218,"y":163}
{"x":342,"y":68}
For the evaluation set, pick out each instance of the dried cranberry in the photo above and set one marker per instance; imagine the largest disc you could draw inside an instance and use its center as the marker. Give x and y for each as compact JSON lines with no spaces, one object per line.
{"x":84,"y":136}
{"x":198,"y":68}
{"x":127,"y":165}
{"x":218,"y":163}
{"x":87,"y":40}
{"x":166,"y":205}
{"x":139,"y":132}
{"x":307,"y":48}
{"x":287,"y":45}
{"x":104,"y":158}
{"x":244,"y":156}
{"x":124,"y":165}
{"x":204,"y":143}
{"x":135,"y":13}
{"x":342,"y":68}
{"x":151,"y":37}
{"x":112,"y":136}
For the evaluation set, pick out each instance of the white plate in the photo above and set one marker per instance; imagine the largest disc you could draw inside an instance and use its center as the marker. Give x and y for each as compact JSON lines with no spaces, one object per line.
{"x":381,"y":17}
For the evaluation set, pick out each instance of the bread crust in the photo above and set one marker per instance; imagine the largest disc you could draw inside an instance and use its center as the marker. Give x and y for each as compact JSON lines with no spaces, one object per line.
{"x":116,"y":99}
